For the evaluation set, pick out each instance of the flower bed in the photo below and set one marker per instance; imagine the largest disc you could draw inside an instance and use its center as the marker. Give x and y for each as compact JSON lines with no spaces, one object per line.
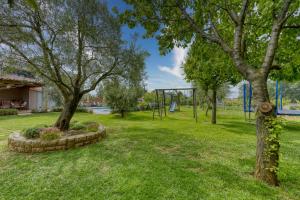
{"x":17,"y":142}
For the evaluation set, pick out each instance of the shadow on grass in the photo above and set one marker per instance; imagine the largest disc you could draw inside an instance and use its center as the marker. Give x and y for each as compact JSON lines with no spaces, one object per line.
{"x":239,"y":128}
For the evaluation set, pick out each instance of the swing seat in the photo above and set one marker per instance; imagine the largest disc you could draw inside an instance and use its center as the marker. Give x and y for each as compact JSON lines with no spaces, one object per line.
{"x":289,"y":112}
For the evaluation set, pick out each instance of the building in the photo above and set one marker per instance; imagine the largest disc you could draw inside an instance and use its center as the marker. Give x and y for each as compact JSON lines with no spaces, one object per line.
{"x":20,"y":93}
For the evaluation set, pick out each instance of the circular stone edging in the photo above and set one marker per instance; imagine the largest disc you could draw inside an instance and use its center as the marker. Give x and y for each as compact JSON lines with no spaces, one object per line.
{"x":18,"y":143}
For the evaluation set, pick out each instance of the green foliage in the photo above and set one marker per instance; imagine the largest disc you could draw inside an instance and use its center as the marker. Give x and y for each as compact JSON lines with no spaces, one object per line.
{"x":31,"y":133}
{"x":120,"y":97}
{"x":143,"y":106}
{"x":9,"y":111}
{"x":77,"y":126}
{"x":51,"y":133}
{"x":149,"y":97}
{"x":82,"y":110}
{"x":178,"y":23}
{"x":209,"y":66}
{"x":92,"y":127}
{"x":274,"y":126}
{"x":57,"y":109}
{"x":122,"y":93}
{"x":41,"y":126}
{"x":38,"y":111}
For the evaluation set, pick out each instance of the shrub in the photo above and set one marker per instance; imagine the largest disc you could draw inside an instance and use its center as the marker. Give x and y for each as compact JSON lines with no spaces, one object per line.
{"x":83,"y":110}
{"x":58,"y":109}
{"x":39,"y":111}
{"x":9,"y":111}
{"x":50,"y":133}
{"x":78,"y":126}
{"x":91,"y":126}
{"x":143,"y":106}
{"x":41,"y":126}
{"x":31,"y":133}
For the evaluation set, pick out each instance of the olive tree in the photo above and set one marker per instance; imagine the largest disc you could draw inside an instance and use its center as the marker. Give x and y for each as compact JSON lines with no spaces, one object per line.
{"x":74,"y":44}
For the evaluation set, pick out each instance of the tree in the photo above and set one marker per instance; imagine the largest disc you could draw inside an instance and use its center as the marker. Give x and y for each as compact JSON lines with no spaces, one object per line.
{"x":210,"y":68}
{"x":250,"y":32}
{"x":122,"y":93}
{"x":75,"y":45}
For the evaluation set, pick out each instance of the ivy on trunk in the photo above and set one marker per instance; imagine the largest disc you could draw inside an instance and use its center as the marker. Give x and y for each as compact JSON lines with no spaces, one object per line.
{"x":249,"y":32}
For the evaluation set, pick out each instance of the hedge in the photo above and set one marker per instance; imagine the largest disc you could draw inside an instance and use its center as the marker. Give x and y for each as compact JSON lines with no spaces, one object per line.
{"x":9,"y":111}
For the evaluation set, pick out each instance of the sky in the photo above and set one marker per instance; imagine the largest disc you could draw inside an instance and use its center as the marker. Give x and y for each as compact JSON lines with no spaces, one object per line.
{"x":162,"y":71}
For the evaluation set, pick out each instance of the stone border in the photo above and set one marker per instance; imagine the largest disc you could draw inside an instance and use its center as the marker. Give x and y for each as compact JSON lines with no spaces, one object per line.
{"x":18,"y":143}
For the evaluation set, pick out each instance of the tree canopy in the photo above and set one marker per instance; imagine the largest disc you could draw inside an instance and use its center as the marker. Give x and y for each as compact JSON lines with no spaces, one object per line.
{"x":209,"y":68}
{"x":74,"y":44}
{"x":258,"y":36}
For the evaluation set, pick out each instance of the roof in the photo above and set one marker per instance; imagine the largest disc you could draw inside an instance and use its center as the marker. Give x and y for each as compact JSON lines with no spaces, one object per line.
{"x":14,"y":81}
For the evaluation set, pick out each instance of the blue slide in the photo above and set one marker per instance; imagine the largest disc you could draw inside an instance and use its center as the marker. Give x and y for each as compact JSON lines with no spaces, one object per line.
{"x":173,"y":106}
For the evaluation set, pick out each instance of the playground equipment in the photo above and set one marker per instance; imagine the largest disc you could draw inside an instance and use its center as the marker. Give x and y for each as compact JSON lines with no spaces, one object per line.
{"x":160,"y":101}
{"x":247,"y":100}
{"x":172,"y":106}
{"x":279,"y":110}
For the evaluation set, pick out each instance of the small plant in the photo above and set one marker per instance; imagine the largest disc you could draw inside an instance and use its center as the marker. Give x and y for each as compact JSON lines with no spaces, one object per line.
{"x":78,"y":126}
{"x":41,"y":126}
{"x":31,"y":133}
{"x":83,"y":110}
{"x":9,"y":111}
{"x":50,"y":133}
{"x":91,"y":126}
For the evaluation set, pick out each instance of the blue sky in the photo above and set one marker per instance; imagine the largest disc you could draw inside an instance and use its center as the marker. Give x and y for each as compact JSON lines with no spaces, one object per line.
{"x":162,"y":71}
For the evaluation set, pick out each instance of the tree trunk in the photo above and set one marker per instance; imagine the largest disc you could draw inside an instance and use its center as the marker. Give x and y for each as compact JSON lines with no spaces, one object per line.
{"x":266,"y":161}
{"x":70,"y":106}
{"x":122,"y":113}
{"x":207,"y":109}
{"x":214,"y":107}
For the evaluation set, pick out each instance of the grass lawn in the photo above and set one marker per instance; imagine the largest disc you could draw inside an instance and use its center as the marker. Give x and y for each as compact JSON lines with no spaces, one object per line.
{"x":144,"y":159}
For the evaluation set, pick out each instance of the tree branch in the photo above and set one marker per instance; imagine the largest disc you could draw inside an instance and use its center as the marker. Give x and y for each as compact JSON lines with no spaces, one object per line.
{"x":275,"y":34}
{"x":204,"y":35}
{"x":105,"y":75}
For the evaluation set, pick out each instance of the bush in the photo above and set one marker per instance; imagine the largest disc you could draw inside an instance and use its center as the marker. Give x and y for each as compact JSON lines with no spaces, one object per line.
{"x":91,"y":126}
{"x":79,"y":109}
{"x":58,"y":109}
{"x":39,"y":111}
{"x":143,"y":106}
{"x":9,"y":111}
{"x":295,"y":107}
{"x":31,"y":133}
{"x":50,"y":133}
{"x":78,"y":126}
{"x":83,"y":110}
{"x":41,"y":126}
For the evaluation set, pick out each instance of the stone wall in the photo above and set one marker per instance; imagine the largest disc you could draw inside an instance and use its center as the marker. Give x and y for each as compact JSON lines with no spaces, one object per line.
{"x":16,"y":142}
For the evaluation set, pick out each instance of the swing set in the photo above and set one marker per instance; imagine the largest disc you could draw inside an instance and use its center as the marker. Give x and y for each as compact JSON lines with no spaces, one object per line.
{"x":247,"y":101}
{"x":160,"y":108}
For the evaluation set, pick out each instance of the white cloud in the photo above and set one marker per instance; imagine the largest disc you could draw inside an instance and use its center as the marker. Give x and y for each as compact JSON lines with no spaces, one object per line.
{"x":179,"y":55}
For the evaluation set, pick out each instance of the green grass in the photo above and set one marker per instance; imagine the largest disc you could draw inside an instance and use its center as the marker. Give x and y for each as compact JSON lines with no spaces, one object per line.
{"x":144,"y":159}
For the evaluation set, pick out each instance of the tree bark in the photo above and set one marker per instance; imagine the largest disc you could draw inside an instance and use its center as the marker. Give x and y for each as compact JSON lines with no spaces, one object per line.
{"x":266,"y":161}
{"x":70,"y":106}
{"x":122,"y":113}
{"x":214,"y":107}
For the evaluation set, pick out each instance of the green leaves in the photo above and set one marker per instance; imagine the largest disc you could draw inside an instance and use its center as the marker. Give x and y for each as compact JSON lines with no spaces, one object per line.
{"x":209,"y":66}
{"x":32,"y":3}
